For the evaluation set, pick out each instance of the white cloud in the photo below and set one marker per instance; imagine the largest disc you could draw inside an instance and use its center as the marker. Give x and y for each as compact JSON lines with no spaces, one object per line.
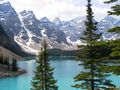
{"x":65,"y":9}
{"x":100,"y":13}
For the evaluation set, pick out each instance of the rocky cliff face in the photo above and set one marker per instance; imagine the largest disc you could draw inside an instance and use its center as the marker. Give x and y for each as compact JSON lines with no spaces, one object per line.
{"x":9,"y":46}
{"x":52,"y":31}
{"x":9,"y":19}
{"x":31,"y":24}
{"x":107,"y":23}
{"x":3,"y":37}
{"x":28,"y":31}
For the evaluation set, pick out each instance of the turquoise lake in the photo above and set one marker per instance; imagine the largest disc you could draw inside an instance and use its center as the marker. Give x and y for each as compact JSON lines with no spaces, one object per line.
{"x":64,"y":72}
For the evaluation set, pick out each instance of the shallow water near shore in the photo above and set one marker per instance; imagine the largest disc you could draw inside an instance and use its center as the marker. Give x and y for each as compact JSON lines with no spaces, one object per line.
{"x":64,"y":72}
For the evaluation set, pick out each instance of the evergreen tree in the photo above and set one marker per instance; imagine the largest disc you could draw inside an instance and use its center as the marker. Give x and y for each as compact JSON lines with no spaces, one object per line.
{"x":43,"y":79}
{"x":1,"y":59}
{"x":92,"y":77}
{"x":115,"y":10}
{"x":5,"y":60}
{"x":8,"y":63}
{"x":14,"y":65}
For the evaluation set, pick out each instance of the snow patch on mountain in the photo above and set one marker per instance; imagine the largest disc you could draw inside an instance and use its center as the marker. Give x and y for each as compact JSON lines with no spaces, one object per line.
{"x":28,"y":31}
{"x":43,"y":32}
{"x":26,"y":48}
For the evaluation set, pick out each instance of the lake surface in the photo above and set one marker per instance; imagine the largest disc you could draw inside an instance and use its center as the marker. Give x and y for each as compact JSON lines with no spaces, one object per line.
{"x":64,"y":72}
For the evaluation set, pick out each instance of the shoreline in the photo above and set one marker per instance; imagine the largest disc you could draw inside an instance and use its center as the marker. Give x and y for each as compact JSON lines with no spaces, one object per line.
{"x":6,"y":74}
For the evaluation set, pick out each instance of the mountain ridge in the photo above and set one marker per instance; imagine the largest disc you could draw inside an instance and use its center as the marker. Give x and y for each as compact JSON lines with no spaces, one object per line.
{"x":28,"y":31}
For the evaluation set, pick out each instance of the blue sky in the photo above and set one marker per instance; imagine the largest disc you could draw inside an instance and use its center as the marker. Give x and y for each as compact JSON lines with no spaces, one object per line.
{"x":64,"y":9}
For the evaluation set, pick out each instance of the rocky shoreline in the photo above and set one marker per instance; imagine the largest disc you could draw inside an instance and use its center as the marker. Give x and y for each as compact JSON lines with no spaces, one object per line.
{"x":12,"y":74}
{"x":4,"y":72}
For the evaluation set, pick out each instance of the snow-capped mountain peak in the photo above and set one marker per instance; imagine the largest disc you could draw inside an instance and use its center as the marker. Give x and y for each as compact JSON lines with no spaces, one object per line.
{"x":44,"y":19}
{"x":28,"y":31}
{"x":57,"y":21}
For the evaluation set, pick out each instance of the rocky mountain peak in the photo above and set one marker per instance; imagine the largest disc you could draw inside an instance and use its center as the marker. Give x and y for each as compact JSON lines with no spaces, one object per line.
{"x":57,"y":21}
{"x":44,"y":19}
{"x":26,"y":14}
{"x":30,"y":22}
{"x":6,"y":7}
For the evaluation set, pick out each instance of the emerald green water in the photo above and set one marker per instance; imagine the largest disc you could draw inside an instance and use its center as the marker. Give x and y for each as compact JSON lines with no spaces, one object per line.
{"x":64,"y":72}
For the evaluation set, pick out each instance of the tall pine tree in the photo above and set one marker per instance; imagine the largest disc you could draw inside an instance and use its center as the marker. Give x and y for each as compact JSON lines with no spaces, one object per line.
{"x":92,"y":77}
{"x":43,"y":79}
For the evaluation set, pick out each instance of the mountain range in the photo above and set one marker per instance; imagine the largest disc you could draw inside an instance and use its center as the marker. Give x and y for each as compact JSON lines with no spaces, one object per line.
{"x":28,"y":31}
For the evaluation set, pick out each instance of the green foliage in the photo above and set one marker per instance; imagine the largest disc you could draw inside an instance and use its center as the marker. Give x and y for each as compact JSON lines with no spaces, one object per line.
{"x":59,"y":52}
{"x":115,"y":54}
{"x":83,"y":76}
{"x":95,"y":56}
{"x":115,"y":49}
{"x":115,"y":29}
{"x":111,"y":49}
{"x":92,"y":53}
{"x":115,"y":10}
{"x":111,"y":1}
{"x":1,"y":59}
{"x":100,"y":52}
{"x":43,"y":79}
{"x":6,"y":60}
{"x":8,"y":64}
{"x":115,"y":43}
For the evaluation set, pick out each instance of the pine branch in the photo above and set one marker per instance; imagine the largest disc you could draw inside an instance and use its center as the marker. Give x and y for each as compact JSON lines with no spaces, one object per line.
{"x":110,"y":1}
{"x":115,"y":10}
{"x":115,"y":29}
